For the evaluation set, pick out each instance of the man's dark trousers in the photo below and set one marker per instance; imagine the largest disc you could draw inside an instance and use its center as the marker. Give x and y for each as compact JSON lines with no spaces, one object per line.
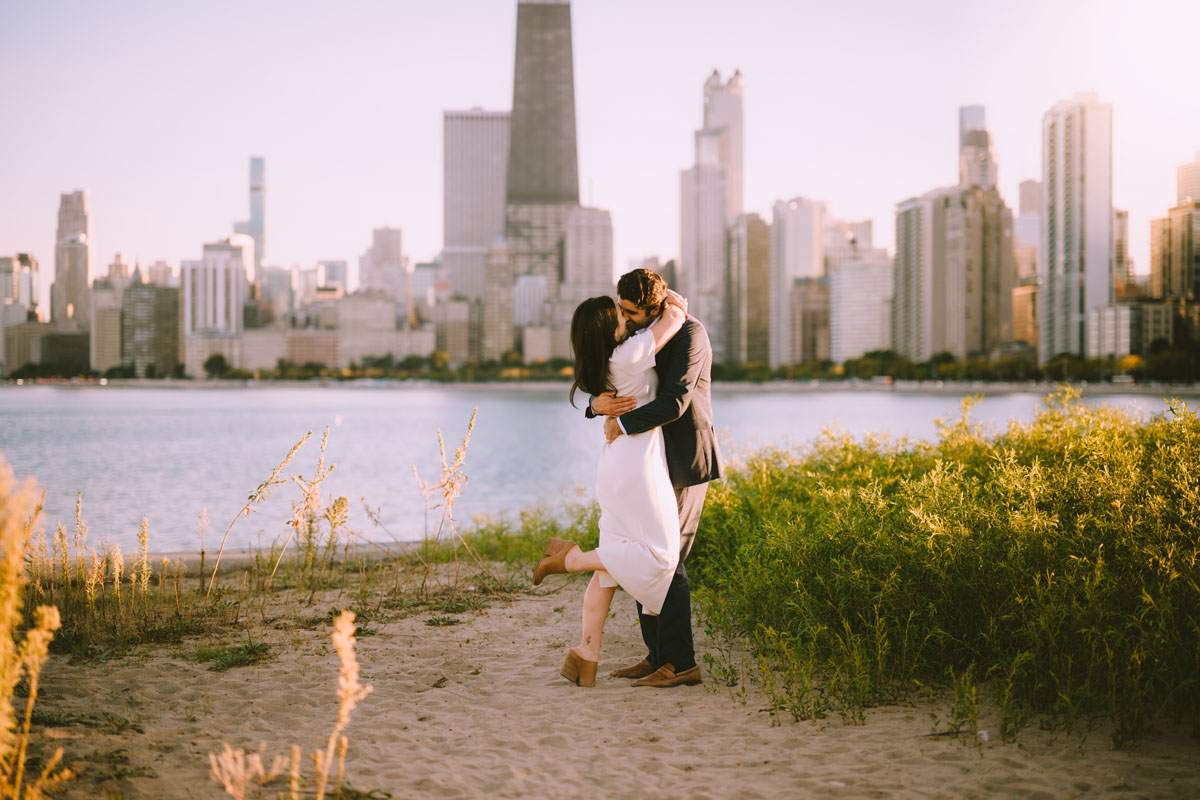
{"x":668,"y":636}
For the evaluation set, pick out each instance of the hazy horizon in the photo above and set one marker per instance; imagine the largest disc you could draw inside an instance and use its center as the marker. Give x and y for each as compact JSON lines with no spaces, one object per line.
{"x":155,"y":110}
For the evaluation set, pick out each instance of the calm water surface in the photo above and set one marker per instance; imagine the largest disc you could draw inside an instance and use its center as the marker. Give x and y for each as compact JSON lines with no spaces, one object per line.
{"x":165,"y":453}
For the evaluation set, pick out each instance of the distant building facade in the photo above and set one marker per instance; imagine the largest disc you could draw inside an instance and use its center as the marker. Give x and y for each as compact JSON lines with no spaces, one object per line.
{"x":1076,"y":257}
{"x":72,"y":262}
{"x":475,"y":147}
{"x":860,"y":306}
{"x":711,"y":198}
{"x":748,"y":290}
{"x":150,"y":329}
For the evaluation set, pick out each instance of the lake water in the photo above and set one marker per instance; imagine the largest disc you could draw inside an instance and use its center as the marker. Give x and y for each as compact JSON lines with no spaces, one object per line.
{"x":166,"y":453}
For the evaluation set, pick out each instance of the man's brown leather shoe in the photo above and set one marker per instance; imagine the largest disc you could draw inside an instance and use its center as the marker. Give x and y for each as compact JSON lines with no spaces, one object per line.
{"x":666,"y":676}
{"x":638,"y":670}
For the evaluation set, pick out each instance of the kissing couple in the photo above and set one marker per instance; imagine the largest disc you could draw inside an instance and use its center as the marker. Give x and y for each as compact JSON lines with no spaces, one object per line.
{"x":647,"y":367}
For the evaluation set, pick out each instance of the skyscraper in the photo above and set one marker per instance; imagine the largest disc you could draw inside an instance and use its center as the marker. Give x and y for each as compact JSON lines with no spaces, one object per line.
{"x":1175,"y":254}
{"x":475,"y":146}
{"x":970,"y":118}
{"x":976,"y":159}
{"x":587,"y":254}
{"x":1027,"y":229}
{"x":953,"y":274}
{"x":1027,"y":243}
{"x":543,"y":165}
{"x":1076,"y":259}
{"x":254,"y":227}
{"x":1188,"y":183}
{"x":150,"y":333}
{"x":214,"y":288}
{"x":723,"y":122}
{"x":797,"y":251}
{"x":542,"y":180}
{"x":860,"y":305}
{"x":214,"y":291}
{"x":748,"y":293}
{"x":385,"y":268}
{"x":72,"y":261}
{"x":1123,"y":280}
{"x":710,"y":200}
{"x":702,"y":204}
{"x":104,"y":343}
{"x":19,"y":280}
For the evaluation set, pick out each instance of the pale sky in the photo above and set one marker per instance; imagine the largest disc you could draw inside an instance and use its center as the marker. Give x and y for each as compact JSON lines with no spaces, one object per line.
{"x":156,"y":107}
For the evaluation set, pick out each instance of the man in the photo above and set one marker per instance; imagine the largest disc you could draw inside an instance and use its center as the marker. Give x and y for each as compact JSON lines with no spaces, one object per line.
{"x":683,"y":408}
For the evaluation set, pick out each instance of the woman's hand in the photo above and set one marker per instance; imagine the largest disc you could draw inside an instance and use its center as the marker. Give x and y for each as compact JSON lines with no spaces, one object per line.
{"x":677,"y":300}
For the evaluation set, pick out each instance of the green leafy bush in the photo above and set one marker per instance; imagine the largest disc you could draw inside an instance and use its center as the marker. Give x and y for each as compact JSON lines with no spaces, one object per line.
{"x":1056,"y":559}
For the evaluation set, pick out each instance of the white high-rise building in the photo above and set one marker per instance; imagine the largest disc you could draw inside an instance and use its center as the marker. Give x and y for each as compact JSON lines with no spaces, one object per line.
{"x":215,"y":287}
{"x":19,"y":280}
{"x":1075,"y":264}
{"x":797,"y":251}
{"x":213,"y":294}
{"x":860,"y":305}
{"x":1188,"y":183}
{"x":723,"y":120}
{"x":710,"y":200}
{"x":919,"y":275}
{"x":475,"y":147}
{"x":702,"y":247}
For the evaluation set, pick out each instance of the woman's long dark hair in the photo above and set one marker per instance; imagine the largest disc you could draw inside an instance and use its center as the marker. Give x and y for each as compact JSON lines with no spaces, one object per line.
{"x":593,"y":339}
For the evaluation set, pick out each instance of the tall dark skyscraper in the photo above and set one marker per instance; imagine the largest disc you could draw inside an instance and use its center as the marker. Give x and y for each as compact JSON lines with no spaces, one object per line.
{"x":543,"y":164}
{"x":541,"y":195}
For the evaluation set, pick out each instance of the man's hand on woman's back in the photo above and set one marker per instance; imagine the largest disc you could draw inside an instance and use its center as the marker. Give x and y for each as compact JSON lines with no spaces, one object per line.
{"x":609,"y":405}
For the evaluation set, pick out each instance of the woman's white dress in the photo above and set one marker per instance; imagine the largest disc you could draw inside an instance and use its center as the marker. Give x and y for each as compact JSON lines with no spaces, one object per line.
{"x":639,"y":518}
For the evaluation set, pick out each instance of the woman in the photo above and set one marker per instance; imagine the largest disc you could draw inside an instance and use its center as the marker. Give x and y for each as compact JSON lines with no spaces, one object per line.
{"x":639,"y":519}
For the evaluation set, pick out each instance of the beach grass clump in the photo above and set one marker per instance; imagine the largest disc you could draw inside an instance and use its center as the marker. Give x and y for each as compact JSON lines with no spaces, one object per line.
{"x":109,"y":604}
{"x":224,"y":657}
{"x":238,"y":771}
{"x":21,"y":657}
{"x":1056,"y":562}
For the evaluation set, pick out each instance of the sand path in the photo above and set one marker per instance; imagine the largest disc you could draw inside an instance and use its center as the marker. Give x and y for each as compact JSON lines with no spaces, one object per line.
{"x":478,"y":710}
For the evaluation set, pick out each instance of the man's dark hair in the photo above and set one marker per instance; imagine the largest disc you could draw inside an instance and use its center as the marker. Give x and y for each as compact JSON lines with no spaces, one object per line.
{"x":643,"y":288}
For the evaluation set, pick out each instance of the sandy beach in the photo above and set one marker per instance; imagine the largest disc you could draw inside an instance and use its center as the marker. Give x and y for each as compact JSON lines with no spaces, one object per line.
{"x":478,"y":709}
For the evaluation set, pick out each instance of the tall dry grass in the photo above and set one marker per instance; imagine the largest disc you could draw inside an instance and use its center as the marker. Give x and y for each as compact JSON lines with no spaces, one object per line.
{"x":21,"y":660}
{"x":238,"y":771}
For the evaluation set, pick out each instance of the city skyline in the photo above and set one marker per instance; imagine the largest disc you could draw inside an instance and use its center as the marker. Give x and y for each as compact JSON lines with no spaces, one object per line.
{"x":867,"y":135}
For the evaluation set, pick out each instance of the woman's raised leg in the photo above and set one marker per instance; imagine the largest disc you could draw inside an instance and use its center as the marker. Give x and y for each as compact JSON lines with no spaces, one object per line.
{"x":596,"y":602}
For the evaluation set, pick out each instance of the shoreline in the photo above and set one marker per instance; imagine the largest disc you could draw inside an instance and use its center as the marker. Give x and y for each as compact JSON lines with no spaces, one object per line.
{"x":937,"y":388}
{"x":233,"y":560}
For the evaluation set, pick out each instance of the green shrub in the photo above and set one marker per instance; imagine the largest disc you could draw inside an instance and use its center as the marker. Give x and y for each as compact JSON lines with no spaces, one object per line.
{"x":1056,"y":559}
